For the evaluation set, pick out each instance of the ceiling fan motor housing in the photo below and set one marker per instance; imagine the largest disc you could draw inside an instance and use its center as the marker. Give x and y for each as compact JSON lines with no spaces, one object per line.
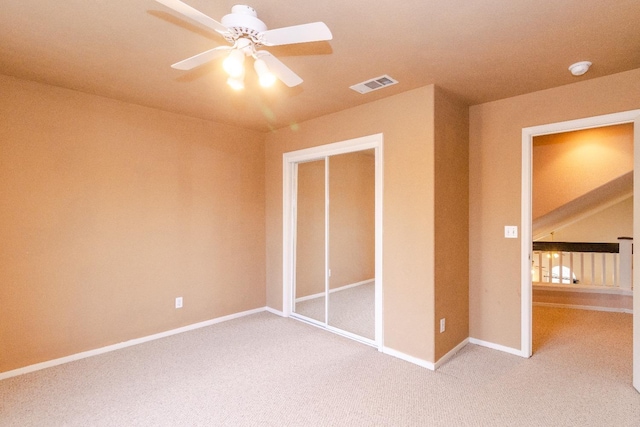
{"x":243,"y":22}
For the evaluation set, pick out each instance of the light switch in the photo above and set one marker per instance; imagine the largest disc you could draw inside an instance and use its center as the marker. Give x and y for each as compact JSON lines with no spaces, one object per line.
{"x":511,"y":231}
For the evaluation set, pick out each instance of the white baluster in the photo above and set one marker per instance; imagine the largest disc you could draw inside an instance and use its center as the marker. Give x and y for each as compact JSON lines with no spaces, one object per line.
{"x":626,"y":266}
{"x":571,"y":268}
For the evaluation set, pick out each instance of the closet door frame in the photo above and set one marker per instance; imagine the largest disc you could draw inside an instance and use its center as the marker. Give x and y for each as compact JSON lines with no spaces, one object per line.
{"x":290,"y":164}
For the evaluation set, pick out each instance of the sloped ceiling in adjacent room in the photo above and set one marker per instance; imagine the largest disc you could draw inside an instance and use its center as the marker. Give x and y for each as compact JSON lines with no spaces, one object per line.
{"x":584,"y":206}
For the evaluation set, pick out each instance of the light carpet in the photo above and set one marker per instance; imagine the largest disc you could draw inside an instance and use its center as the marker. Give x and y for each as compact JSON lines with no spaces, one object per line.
{"x":263,"y":370}
{"x":351,"y":309}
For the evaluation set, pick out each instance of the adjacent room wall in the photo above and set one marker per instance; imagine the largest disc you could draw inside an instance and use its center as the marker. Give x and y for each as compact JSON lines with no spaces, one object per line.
{"x":109,"y":211}
{"x":570,"y":164}
{"x":495,"y":189}
{"x":406,"y":120}
{"x":604,"y":226}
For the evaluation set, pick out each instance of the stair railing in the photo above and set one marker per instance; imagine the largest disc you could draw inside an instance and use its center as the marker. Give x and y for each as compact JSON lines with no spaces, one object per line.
{"x":597,"y":265}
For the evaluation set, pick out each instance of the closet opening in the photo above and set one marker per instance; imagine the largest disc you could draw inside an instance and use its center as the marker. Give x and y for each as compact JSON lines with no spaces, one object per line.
{"x":332,"y":248}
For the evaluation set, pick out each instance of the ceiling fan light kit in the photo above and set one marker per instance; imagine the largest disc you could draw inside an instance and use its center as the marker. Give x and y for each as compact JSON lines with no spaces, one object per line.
{"x":266,"y":78}
{"x":248,"y":34}
{"x":234,"y":63}
{"x":236,"y":83}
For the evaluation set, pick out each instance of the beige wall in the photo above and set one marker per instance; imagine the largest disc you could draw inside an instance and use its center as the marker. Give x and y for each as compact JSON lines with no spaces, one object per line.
{"x":109,"y":211}
{"x":112,"y":210}
{"x":351,"y":218}
{"x":406,"y":120}
{"x":495,"y":135}
{"x":451,"y":222}
{"x":310,"y":229}
{"x":570,"y":164}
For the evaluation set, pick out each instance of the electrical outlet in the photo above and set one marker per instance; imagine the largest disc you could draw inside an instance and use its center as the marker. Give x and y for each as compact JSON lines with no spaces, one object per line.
{"x":179,"y":302}
{"x":442,"y":325}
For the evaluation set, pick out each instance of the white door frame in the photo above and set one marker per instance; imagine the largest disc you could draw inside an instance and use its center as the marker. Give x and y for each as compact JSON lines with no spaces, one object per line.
{"x":289,"y":164}
{"x":632,"y":116}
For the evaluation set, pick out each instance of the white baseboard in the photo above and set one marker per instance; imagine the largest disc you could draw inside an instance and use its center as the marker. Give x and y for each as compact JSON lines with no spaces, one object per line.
{"x":352,"y":285}
{"x":407,"y":358}
{"x":274,"y":311}
{"x":537,"y":286}
{"x":451,"y":353}
{"x":341,"y":288}
{"x":585,"y":307}
{"x":308,"y":297}
{"x":136,"y":341}
{"x":498,"y":347}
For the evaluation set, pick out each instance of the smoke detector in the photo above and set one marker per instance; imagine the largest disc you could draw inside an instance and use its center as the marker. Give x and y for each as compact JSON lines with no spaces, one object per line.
{"x":579,"y":68}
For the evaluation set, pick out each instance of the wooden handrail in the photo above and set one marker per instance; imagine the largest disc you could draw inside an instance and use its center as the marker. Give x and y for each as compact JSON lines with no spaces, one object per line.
{"x":612,"y":248}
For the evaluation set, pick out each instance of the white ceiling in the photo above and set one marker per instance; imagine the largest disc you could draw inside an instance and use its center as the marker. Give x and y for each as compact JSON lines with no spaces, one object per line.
{"x":480,"y":50}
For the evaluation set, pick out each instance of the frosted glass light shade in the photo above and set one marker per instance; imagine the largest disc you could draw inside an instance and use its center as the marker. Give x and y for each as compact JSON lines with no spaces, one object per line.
{"x":234,"y":63}
{"x":266,"y":78}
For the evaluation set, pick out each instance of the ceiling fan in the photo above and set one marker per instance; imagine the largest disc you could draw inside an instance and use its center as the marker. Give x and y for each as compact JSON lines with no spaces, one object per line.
{"x":247,"y":34}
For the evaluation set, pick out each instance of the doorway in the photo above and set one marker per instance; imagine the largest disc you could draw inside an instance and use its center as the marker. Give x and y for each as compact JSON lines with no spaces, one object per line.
{"x":526,"y":222}
{"x":332,"y":252}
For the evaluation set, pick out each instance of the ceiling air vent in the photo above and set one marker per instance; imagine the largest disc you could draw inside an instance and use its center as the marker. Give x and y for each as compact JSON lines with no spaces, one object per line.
{"x":374,"y":84}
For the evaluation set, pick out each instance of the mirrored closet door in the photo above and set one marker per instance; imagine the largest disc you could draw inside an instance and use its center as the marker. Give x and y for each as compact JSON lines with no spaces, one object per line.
{"x":310,"y":242}
{"x":334,"y":281}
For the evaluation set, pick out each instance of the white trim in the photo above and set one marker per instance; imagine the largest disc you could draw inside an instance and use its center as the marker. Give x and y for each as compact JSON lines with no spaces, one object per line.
{"x":351,"y":335}
{"x":411,"y":359}
{"x":341,"y":288}
{"x":332,"y":329}
{"x":342,"y":147}
{"x":498,"y":347}
{"x":379,"y":208}
{"x":635,"y":280}
{"x":526,"y":287}
{"x":352,"y":285}
{"x":526,"y":313}
{"x":308,"y":297}
{"x":327,"y":234}
{"x":274,"y":311}
{"x":289,"y":204}
{"x":125,"y":344}
{"x":444,"y":359}
{"x":289,"y":165}
{"x":584,"y":307}
{"x":582,"y":288}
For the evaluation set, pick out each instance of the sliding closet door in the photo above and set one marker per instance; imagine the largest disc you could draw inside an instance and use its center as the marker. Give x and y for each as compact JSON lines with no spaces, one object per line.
{"x":310,"y":247}
{"x":351,"y":234}
{"x":332,"y":237}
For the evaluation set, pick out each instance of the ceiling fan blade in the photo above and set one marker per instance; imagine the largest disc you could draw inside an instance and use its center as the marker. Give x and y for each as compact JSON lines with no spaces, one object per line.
{"x":313,"y":32}
{"x":201,"y":58}
{"x":279,"y":70}
{"x":195,"y":15}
